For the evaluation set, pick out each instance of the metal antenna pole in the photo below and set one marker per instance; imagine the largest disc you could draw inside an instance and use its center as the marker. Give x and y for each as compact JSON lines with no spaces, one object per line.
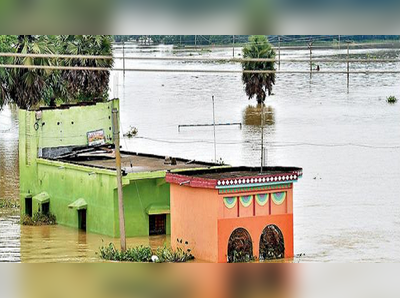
{"x":348,"y":67}
{"x":233,"y":47}
{"x":279,"y":52}
{"x":123,"y":56}
{"x":310,"y":47}
{"x":215,"y":139}
{"x":119,"y":180}
{"x":262,"y":137}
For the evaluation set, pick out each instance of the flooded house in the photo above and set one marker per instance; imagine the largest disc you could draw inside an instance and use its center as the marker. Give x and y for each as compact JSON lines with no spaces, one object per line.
{"x":67,"y":167}
{"x":236,"y":213}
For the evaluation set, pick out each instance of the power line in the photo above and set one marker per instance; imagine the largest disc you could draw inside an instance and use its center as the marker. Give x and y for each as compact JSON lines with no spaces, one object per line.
{"x":227,"y":71}
{"x":56,"y":56}
{"x":210,"y":59}
{"x":233,"y":142}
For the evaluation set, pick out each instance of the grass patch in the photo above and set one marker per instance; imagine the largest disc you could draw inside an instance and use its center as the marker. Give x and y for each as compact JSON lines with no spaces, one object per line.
{"x":391,"y":99}
{"x":9,"y":204}
{"x":240,"y":257}
{"x":145,"y":254}
{"x":39,"y":219}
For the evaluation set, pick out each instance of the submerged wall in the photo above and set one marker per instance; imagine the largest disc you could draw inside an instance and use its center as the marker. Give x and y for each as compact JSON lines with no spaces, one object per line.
{"x":57,"y":128}
{"x":139,"y":195}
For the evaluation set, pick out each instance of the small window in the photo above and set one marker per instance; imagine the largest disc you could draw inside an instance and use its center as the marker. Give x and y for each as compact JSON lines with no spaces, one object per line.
{"x":46,"y":208}
{"x":157,"y":224}
{"x":28,"y":206}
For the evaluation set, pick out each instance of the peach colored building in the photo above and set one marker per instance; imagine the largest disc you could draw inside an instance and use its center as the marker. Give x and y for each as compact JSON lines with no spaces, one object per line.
{"x":232,"y":214}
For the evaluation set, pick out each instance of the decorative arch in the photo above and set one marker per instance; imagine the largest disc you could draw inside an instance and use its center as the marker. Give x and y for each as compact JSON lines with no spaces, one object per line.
{"x":272,"y":244}
{"x":240,"y":246}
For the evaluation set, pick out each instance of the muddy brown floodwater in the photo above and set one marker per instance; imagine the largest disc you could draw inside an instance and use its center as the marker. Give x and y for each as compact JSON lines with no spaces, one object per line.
{"x":346,"y":207}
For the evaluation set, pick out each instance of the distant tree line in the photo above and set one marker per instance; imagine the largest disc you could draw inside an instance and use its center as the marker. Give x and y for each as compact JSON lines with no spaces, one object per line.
{"x":240,"y":39}
{"x":187,"y":39}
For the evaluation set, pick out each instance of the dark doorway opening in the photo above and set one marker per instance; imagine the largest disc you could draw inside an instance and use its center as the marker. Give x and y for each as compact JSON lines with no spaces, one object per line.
{"x":46,"y":208}
{"x":240,"y":247}
{"x":82,"y":219}
{"x":272,"y":245}
{"x":157,"y":224}
{"x":28,"y":206}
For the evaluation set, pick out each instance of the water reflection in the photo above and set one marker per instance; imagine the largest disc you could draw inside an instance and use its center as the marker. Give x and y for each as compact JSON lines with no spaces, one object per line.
{"x":252,"y":115}
{"x":9,"y":173}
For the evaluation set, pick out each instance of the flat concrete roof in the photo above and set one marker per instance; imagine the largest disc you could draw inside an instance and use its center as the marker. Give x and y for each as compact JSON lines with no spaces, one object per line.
{"x":238,"y":172}
{"x":132,"y":162}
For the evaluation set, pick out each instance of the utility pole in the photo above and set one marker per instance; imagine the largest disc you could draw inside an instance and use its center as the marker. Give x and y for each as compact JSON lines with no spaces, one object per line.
{"x":233,"y":47}
{"x":310,"y":47}
{"x":262,"y":137}
{"x":348,"y":66}
{"x":215,"y":139}
{"x":123,"y":56}
{"x":180,"y":40}
{"x":195,"y":41}
{"x":119,"y":180}
{"x":339,"y":42}
{"x":279,"y":52}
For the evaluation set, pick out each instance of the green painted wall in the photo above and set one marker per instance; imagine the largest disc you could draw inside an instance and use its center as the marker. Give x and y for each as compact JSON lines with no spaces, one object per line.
{"x":138,"y":196}
{"x":57,"y":128}
{"x":66,"y":183}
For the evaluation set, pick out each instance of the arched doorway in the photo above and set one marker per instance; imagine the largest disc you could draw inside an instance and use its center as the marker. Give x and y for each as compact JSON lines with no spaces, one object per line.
{"x":240,"y":246}
{"x":272,"y":245}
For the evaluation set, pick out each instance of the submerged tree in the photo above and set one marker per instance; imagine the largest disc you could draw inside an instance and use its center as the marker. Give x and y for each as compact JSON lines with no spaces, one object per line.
{"x":7,"y":43}
{"x":28,"y":87}
{"x":258,"y":84}
{"x":87,"y":84}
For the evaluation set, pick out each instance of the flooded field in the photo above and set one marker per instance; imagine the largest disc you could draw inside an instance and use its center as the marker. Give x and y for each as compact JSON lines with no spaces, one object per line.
{"x":346,"y":205}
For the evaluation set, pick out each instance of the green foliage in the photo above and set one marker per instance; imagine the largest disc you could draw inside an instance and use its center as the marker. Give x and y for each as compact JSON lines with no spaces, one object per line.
{"x":9,"y":204}
{"x":7,"y":43}
{"x":241,"y":257}
{"x":180,"y":255}
{"x":391,"y":99}
{"x":30,"y":87}
{"x":39,"y":219}
{"x":84,"y":84}
{"x":135,"y":254}
{"x":258,"y":84}
{"x":145,"y":254}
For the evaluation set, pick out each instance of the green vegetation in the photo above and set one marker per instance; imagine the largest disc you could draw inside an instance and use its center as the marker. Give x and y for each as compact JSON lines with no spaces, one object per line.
{"x":145,"y":254}
{"x":135,"y":254}
{"x":29,"y":87}
{"x":258,"y":84}
{"x":391,"y":99}
{"x":39,"y":219}
{"x":9,"y":204}
{"x":6,"y":45}
{"x":240,"y":257}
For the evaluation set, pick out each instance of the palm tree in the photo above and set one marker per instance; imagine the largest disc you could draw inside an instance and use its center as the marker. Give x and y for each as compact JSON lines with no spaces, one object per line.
{"x":258,"y":84}
{"x":87,"y":84}
{"x":7,"y":43}
{"x":27,"y":86}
